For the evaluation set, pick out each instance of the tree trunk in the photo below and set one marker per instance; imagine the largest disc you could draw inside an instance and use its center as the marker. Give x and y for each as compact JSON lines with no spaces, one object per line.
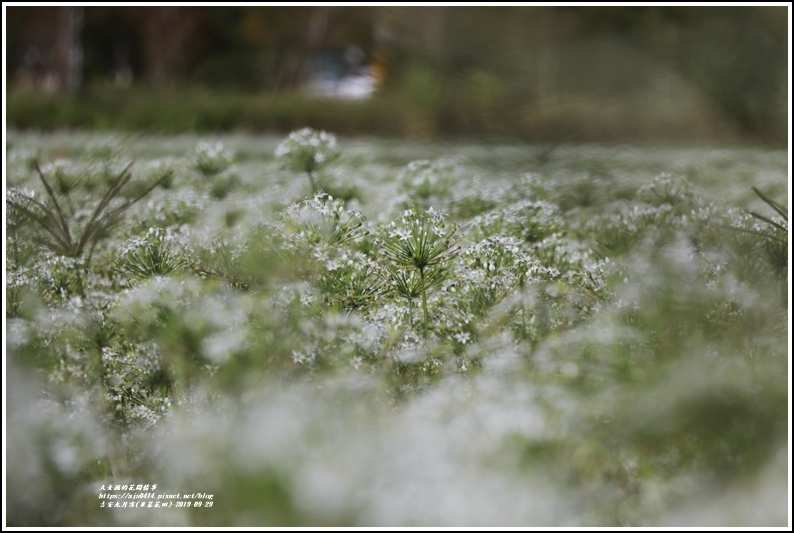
{"x":68,"y":51}
{"x":165,"y":36}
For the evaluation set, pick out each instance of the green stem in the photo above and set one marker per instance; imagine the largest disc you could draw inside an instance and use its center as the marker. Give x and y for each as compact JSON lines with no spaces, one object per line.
{"x":312,"y":181}
{"x":80,"y":289}
{"x":424,"y":297}
{"x":16,"y":247}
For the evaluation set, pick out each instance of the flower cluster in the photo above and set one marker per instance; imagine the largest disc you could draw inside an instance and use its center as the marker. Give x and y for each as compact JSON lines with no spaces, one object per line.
{"x":60,"y":276}
{"x":350,"y":281}
{"x":157,"y":252}
{"x":211,"y":158}
{"x":427,"y":183}
{"x":627,"y":223}
{"x":667,"y":189}
{"x":308,"y":151}
{"x":132,"y":375}
{"x":176,"y":208}
{"x":323,"y":219}
{"x":528,"y":220}
{"x":493,"y":268}
{"x":19,"y":281}
{"x":223,"y":259}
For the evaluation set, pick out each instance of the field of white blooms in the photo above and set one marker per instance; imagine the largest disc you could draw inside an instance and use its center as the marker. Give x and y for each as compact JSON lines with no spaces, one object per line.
{"x":310,"y":331}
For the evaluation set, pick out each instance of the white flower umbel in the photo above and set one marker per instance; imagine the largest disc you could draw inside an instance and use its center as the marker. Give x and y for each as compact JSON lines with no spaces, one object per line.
{"x":158,"y":252}
{"x":308,"y":151}
{"x":211,"y":158}
{"x":322,"y":219}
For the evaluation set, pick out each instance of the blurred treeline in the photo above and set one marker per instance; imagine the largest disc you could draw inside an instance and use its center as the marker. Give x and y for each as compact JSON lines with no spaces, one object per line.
{"x":610,"y":74}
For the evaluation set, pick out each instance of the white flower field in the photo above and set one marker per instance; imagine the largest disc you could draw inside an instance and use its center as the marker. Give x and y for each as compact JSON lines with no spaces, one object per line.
{"x":312,"y":331}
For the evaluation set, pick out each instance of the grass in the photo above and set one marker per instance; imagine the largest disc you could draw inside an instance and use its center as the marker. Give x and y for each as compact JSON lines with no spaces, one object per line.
{"x":603,"y":337}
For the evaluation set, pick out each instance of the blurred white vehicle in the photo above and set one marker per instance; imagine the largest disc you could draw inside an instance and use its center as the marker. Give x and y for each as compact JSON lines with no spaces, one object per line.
{"x":354,"y":86}
{"x":342,"y":75}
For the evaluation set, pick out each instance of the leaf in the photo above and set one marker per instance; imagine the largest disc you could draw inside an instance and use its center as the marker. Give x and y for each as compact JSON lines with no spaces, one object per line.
{"x":782,"y":211}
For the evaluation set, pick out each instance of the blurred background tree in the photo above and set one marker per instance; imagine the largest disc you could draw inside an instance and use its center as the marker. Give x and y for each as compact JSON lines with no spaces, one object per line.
{"x":617,"y":73}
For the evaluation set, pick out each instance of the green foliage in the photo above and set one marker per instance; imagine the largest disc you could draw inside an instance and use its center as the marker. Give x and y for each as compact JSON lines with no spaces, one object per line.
{"x":581,"y":118}
{"x":223,"y":260}
{"x":65,"y":230}
{"x":774,"y":235}
{"x":760,"y":243}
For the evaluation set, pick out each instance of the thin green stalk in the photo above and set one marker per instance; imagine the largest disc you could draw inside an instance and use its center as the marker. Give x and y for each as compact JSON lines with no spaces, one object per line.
{"x":50,"y":224}
{"x":80,"y":289}
{"x":312,"y":181}
{"x":63,"y":223}
{"x":424,"y":297}
{"x":15,"y":245}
